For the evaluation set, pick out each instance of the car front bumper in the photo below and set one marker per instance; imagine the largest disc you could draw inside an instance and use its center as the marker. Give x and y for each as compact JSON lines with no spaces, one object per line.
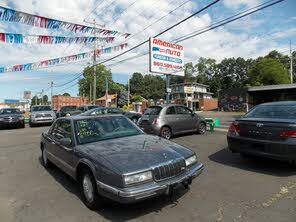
{"x":41,"y":120}
{"x":11,"y":123}
{"x":279,"y":150}
{"x":135,"y":194}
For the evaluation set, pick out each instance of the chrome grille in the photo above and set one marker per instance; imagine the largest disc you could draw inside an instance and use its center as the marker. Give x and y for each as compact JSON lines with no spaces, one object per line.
{"x":10,"y":119}
{"x":168,"y":170}
{"x":43,"y":115}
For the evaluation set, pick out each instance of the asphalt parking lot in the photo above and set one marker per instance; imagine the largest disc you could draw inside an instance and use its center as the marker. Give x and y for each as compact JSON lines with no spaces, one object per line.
{"x":230,"y":188}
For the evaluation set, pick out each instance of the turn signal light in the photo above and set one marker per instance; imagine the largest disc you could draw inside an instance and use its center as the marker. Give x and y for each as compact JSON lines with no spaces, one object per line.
{"x":234,"y":128}
{"x":155,"y":121}
{"x":288,"y":133}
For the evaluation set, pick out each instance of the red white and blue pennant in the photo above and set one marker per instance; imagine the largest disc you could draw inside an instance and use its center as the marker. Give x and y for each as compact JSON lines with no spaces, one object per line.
{"x":44,"y":39}
{"x":62,"y":60}
{"x":10,"y":15}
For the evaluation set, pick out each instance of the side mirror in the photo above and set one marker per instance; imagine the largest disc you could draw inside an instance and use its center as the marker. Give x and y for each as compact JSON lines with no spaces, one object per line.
{"x":66,"y":142}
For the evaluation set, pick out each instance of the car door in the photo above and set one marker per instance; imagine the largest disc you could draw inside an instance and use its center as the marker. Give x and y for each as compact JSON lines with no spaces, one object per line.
{"x":63,"y":154}
{"x":171,"y":119}
{"x":185,"y":119}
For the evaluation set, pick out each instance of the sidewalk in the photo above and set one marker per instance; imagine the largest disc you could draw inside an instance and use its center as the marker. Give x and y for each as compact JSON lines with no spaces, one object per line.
{"x":225,"y":118}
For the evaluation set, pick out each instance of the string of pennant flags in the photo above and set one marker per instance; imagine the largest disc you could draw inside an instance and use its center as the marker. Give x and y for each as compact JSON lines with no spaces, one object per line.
{"x":10,"y":15}
{"x":61,"y":60}
{"x":44,"y":39}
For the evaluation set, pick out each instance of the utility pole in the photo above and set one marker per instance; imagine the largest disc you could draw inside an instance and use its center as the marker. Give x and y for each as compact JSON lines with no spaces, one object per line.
{"x":128,"y":92}
{"x":51,"y":91}
{"x":168,"y":90}
{"x":106,"y":91}
{"x":42,"y":102}
{"x":95,"y":67}
{"x":291,"y":63}
{"x":90,"y":91}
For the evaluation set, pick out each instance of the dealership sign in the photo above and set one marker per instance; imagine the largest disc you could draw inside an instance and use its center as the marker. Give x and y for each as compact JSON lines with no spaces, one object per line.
{"x":166,"y":57}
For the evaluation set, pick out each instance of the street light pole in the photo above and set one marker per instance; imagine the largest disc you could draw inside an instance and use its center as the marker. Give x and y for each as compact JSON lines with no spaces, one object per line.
{"x":291,"y":63}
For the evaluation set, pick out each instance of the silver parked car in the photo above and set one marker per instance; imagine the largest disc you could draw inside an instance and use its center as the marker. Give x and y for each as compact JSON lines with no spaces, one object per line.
{"x":41,"y":115}
{"x":171,"y":119}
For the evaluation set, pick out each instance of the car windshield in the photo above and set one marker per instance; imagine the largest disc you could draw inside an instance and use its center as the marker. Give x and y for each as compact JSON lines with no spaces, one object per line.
{"x":153,"y":110}
{"x":41,"y":108}
{"x":92,"y":107}
{"x":97,"y":129}
{"x":10,"y":111}
{"x":96,"y":111}
{"x":68,"y":108}
{"x":273,"y":111}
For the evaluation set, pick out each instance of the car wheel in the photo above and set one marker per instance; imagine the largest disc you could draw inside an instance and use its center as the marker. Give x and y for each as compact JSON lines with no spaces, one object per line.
{"x":135,"y":120}
{"x":23,"y":125}
{"x":166,"y":132}
{"x":45,"y":161}
{"x":201,"y":128}
{"x":91,"y":198}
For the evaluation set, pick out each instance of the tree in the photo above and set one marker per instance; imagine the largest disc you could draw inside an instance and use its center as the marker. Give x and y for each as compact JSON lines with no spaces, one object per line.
{"x":66,"y":94}
{"x":45,"y":99}
{"x":137,"y":84}
{"x":268,"y":71}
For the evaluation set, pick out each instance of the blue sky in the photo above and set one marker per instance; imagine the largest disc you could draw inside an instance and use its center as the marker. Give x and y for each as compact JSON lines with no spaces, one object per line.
{"x":250,"y":37}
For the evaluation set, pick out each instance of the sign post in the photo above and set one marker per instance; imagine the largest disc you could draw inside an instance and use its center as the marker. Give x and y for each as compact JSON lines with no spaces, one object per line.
{"x":166,"y":58}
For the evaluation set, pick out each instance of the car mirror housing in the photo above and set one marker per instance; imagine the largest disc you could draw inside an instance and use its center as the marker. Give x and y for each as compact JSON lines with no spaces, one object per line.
{"x":66,"y":142}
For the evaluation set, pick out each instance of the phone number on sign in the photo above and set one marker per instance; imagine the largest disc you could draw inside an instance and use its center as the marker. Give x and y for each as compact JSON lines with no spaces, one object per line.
{"x":166,"y":65}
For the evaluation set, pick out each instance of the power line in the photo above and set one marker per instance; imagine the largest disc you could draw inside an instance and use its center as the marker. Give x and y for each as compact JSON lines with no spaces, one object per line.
{"x":66,"y":83}
{"x":161,"y":18}
{"x":122,"y":12}
{"x":226,"y":22}
{"x":173,"y":26}
{"x":199,"y":33}
{"x":95,"y":8}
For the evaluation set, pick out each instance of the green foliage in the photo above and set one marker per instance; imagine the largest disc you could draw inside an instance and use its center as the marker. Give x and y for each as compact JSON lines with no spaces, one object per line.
{"x":66,"y":94}
{"x":102,"y":73}
{"x":136,"y":98}
{"x":268,"y":71}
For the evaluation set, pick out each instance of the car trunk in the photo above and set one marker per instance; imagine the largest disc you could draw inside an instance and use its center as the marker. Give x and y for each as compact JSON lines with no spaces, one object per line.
{"x":266,"y":129}
{"x":150,"y":115}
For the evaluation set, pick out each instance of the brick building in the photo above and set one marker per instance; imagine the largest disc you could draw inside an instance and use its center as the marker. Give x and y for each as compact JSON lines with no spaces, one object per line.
{"x":193,"y":95}
{"x":59,"y":101}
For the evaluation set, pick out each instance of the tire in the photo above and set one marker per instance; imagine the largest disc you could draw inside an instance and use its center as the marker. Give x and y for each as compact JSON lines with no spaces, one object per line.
{"x":88,"y":187}
{"x":247,"y":156}
{"x":45,"y":161}
{"x":23,"y":125}
{"x":166,"y":132}
{"x":201,"y":128}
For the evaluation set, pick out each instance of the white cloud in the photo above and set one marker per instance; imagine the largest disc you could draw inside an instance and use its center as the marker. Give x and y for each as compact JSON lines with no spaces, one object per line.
{"x":218,"y":44}
{"x":235,"y":4}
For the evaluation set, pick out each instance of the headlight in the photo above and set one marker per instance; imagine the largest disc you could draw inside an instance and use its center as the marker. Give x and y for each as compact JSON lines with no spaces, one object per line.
{"x":191,"y":160}
{"x":32,"y":116}
{"x":1,"y":119}
{"x":137,"y":178}
{"x":21,"y":118}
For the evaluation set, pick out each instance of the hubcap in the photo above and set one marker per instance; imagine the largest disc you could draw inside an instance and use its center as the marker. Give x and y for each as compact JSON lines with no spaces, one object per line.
{"x":202,"y":128}
{"x":166,"y":133}
{"x":44,"y":155}
{"x":88,"y":189}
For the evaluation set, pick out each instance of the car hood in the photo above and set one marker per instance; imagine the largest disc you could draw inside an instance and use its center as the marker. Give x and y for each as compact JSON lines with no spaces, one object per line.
{"x":129,"y":154}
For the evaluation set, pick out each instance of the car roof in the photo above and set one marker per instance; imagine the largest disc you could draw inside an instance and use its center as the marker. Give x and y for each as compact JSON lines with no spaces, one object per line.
{"x":79,"y":117}
{"x":40,"y":105}
{"x":280,"y":103}
{"x":166,"y":105}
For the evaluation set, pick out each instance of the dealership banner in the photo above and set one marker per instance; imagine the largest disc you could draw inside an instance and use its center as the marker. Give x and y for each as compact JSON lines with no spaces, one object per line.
{"x":62,"y":60}
{"x":11,"y":15}
{"x":166,"y":57}
{"x":13,"y":38}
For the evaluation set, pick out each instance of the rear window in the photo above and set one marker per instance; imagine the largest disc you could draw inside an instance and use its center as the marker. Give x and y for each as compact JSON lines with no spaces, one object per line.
{"x":273,"y":111}
{"x":68,"y":108}
{"x":153,"y":110}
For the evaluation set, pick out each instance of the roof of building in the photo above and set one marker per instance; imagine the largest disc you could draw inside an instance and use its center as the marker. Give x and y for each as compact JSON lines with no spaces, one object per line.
{"x":111,"y":96}
{"x":272,"y":87}
{"x":190,"y":83}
